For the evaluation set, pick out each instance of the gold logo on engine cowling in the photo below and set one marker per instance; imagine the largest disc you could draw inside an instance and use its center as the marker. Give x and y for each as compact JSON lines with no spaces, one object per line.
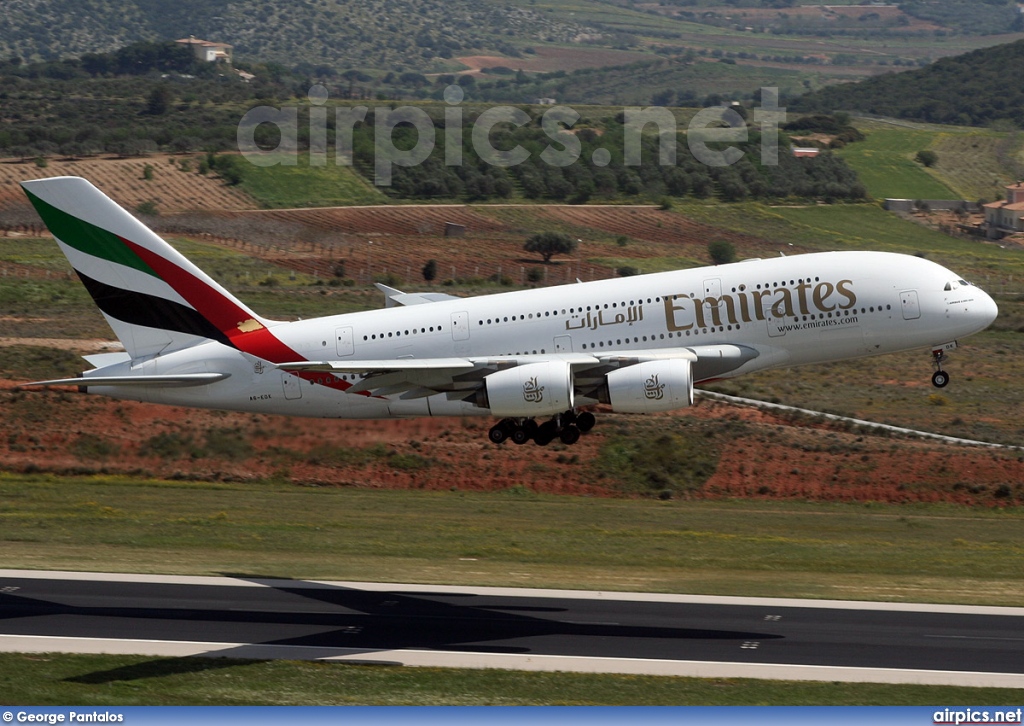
{"x":653,"y":390}
{"x":532,"y":392}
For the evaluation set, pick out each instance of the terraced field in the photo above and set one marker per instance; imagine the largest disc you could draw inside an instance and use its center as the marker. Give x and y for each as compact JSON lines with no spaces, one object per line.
{"x":171,"y":189}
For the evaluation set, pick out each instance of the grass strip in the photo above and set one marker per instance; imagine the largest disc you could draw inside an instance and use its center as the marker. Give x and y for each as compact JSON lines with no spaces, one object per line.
{"x":514,"y":537}
{"x":103,"y":680}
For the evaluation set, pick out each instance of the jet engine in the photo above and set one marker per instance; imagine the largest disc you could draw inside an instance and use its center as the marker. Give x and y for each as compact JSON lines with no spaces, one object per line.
{"x":660,"y":385}
{"x":535,"y":389}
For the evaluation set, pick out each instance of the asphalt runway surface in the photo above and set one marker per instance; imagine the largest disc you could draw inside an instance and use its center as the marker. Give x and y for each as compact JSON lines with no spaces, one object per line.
{"x":492,"y":627}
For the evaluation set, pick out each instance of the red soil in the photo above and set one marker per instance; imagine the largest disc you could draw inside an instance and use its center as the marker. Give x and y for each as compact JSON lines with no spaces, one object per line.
{"x":773,"y":460}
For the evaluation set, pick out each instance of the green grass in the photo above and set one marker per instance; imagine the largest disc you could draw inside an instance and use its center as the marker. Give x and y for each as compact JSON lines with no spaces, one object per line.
{"x":305,"y":186}
{"x":101,"y":680}
{"x":884,"y":162}
{"x":512,"y":537}
{"x":969,"y":163}
{"x":861,"y":227}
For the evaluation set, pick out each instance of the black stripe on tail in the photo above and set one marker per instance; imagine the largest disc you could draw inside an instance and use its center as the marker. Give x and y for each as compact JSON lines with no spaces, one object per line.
{"x":137,"y":308}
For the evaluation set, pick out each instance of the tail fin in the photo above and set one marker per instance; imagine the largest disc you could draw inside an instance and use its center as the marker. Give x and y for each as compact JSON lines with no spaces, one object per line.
{"x":155,"y":300}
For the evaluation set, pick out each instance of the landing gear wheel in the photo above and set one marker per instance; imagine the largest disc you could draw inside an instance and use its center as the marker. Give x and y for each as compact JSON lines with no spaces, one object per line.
{"x":585,"y":421}
{"x":497,"y":434}
{"x":520,"y":435}
{"x":502,"y":430}
{"x":546,"y":433}
{"x":940,"y":378}
{"x":570,"y":435}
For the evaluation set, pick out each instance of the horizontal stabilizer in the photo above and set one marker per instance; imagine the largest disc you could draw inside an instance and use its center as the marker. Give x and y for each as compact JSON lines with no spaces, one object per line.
{"x":102,"y":360}
{"x":185,"y":379}
{"x":396,"y":298}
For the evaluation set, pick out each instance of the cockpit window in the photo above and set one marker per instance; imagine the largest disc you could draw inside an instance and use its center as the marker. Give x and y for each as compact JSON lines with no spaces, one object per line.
{"x":948,"y":287}
{"x":964,"y":282}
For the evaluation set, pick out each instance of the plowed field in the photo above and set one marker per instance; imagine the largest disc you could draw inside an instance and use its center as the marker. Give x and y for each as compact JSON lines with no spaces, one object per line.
{"x":398,"y":240}
{"x":669,"y":234}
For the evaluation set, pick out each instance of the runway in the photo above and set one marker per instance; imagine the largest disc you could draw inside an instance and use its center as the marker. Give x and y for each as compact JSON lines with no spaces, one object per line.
{"x":248,"y":617}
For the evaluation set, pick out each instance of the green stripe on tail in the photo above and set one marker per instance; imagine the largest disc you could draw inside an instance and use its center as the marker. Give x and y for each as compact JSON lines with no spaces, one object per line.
{"x":86,"y":237}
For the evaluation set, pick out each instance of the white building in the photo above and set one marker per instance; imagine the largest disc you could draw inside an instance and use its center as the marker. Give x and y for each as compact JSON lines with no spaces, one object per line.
{"x":207,"y":50}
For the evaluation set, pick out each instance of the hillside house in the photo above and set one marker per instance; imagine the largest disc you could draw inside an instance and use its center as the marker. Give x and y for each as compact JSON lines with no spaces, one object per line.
{"x":1006,"y":217}
{"x":207,"y":50}
{"x":805,"y":152}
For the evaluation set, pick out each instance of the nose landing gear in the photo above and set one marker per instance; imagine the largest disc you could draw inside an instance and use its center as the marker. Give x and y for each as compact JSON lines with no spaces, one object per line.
{"x":939,"y":378}
{"x":566,"y":427}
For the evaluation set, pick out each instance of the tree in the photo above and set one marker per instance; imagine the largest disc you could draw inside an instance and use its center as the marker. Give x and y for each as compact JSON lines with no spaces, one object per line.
{"x":721,"y":251}
{"x":430,"y":270}
{"x":927,"y":157}
{"x":159,"y":101}
{"x":549,"y":244}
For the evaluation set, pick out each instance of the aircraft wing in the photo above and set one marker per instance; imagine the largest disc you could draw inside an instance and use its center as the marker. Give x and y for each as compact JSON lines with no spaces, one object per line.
{"x":419,"y":377}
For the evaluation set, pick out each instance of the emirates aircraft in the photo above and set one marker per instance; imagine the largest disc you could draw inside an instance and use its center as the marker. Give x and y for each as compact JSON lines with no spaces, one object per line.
{"x":534,"y":359}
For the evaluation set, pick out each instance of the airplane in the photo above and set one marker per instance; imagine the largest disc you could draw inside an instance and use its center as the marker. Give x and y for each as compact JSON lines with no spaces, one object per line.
{"x":535,"y":359}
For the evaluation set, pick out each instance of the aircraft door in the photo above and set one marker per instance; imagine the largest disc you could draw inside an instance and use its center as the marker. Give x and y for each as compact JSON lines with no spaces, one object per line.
{"x":713,"y":290}
{"x":775,"y":329}
{"x":345,"y":341}
{"x":292,"y":386}
{"x":460,"y":326}
{"x":910,"y":304}
{"x":563,"y":344}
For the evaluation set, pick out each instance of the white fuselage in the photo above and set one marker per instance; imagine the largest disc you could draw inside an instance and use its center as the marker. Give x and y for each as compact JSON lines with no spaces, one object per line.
{"x":794,"y":310}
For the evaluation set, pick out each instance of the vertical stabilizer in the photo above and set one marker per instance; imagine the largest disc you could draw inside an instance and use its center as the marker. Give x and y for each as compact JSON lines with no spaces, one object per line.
{"x":155,"y":300}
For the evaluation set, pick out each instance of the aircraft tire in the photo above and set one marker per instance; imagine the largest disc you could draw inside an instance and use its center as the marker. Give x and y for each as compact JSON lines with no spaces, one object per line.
{"x":570,"y":435}
{"x":498,"y":433}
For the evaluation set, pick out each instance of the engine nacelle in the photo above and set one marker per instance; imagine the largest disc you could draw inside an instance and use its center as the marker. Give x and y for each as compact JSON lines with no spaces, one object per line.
{"x":659,"y":385}
{"x":535,"y":389}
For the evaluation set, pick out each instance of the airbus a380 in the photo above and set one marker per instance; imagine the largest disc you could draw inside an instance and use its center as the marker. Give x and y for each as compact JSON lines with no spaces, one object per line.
{"x":533,"y":359}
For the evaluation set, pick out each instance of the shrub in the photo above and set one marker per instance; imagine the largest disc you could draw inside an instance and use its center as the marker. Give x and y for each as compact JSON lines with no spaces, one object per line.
{"x":721,"y":251}
{"x":147,"y":209}
{"x":927,"y":157}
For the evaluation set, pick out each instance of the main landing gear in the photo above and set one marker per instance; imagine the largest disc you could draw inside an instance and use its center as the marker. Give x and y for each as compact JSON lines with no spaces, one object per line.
{"x":939,"y":378}
{"x":566,"y":427}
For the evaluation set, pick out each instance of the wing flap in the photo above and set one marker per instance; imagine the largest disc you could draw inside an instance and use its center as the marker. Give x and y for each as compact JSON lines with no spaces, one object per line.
{"x":379,"y":366}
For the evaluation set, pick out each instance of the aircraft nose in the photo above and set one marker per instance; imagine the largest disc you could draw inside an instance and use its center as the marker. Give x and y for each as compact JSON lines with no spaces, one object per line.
{"x":985,"y":309}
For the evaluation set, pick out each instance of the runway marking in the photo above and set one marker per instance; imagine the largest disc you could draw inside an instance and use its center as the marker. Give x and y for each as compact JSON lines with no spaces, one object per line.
{"x":439,"y":590}
{"x":977,"y":637}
